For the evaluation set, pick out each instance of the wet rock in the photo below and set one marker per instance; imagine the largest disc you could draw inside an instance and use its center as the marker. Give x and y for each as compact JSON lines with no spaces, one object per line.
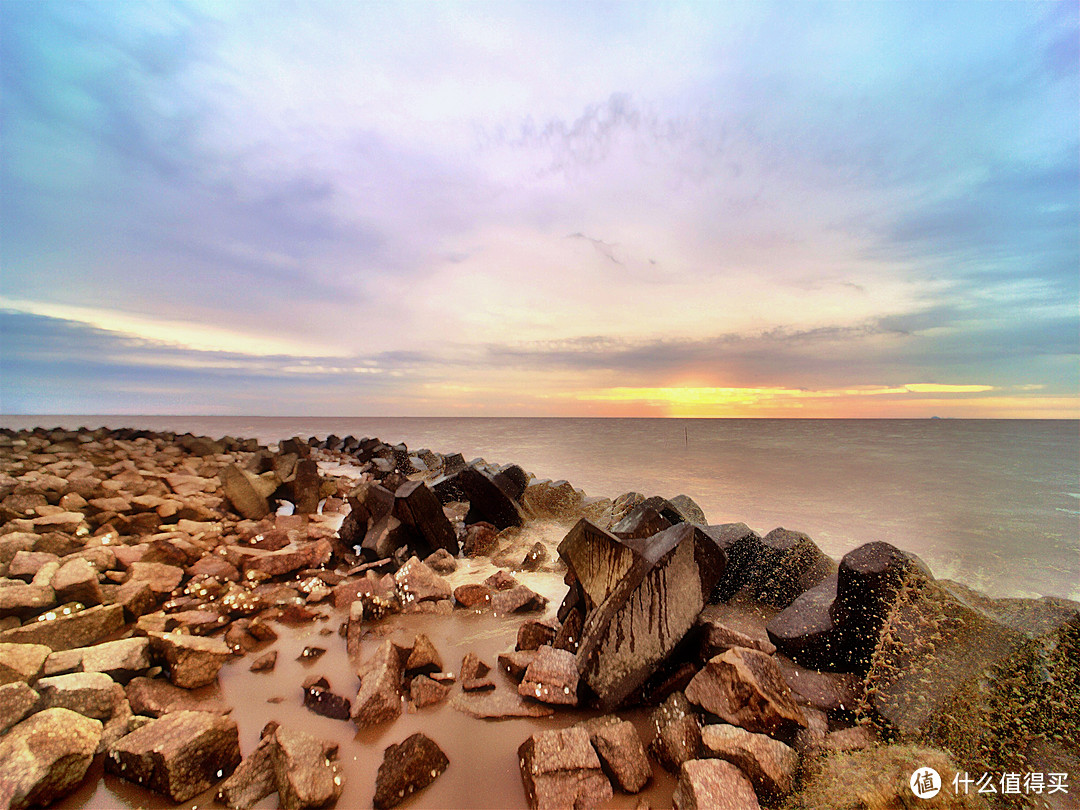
{"x":770,"y":765}
{"x":136,"y":597}
{"x":79,"y":629}
{"x":306,"y":485}
{"x":688,"y":510}
{"x":809,"y":741}
{"x":292,"y":557}
{"x":677,"y":740}
{"x":597,"y":559}
{"x":713,"y":784}
{"x":370,"y":501}
{"x":214,"y":565}
{"x":535,"y":558}
{"x":486,"y":501}
{"x":46,"y":756}
{"x":120,"y":660}
{"x":746,"y":688}
{"x":304,"y":772}
{"x":642,"y":521}
{"x":155,"y":697}
{"x":622,"y":754}
{"x":253,"y":779}
{"x":560,"y":768}
{"x":827,"y":691}
{"x":379,"y":698}
{"x":623,"y":504}
{"x":850,"y":739}
{"x":501,"y":581}
{"x":17,"y":700}
{"x":319,"y":698}
{"x":311,"y":654}
{"x":416,"y":506}
{"x":518,"y":599}
{"x":535,"y":633}
{"x":717,"y":638}
{"x":441,"y":562}
{"x":418,"y":583}
{"x":20,"y":599}
{"x":193,"y":661}
{"x":92,"y":694}
{"x":498,"y":704}
{"x":408,"y":767}
{"x":568,"y":636}
{"x":515,"y":663}
{"x":473,"y":674}
{"x":162,"y":578}
{"x":472,"y":595}
{"x":648,"y":612}
{"x":424,"y":691}
{"x":805,"y":631}
{"x":265,"y":662}
{"x":424,"y":658}
{"x":245,"y":492}
{"x":481,"y":539}
{"x":552,"y":677}
{"x":790,"y":564}
{"x":179,"y":755}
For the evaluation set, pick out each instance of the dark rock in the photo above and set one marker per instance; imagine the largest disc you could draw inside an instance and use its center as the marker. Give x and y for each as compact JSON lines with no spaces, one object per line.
{"x":253,"y":779}
{"x":265,"y":662}
{"x":304,"y":772}
{"x":193,"y":661}
{"x":512,"y":480}
{"x":568,"y":636}
{"x":319,"y":698}
{"x":805,"y":631}
{"x":472,"y":595}
{"x":535,"y":558}
{"x":746,"y":688}
{"x":622,"y":754}
{"x":717,"y":638}
{"x":481,"y":539}
{"x":827,"y":691}
{"x":642,"y":521}
{"x":744,"y":550}
{"x":501,"y":581}
{"x":46,"y":756}
{"x":486,"y":501}
{"x":241,"y":489}
{"x":179,"y":755}
{"x":310,"y":654}
{"x":790,"y":564}
{"x":676,"y":732}
{"x":441,"y":562}
{"x":560,"y":769}
{"x":713,"y":784}
{"x":688,"y":510}
{"x":648,"y":612}
{"x":418,"y":583}
{"x":17,"y":700}
{"x":424,"y":658}
{"x":120,"y":660}
{"x":379,"y":698}
{"x":155,"y":697}
{"x":406,"y":768}
{"x":518,"y":599}
{"x":535,"y":633}
{"x":473,"y":674}
{"x":384,"y":537}
{"x":770,"y":765}
{"x":416,"y":506}
{"x":552,"y":677}
{"x":515,"y":663}
{"x":424,"y":691}
{"x":79,"y":629}
{"x":597,"y":559}
{"x":306,"y":487}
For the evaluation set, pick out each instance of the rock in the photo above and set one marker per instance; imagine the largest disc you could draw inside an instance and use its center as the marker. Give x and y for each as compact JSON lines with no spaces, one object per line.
{"x":179,"y":755}
{"x":370,"y":501}
{"x":424,"y":658}
{"x":305,"y":485}
{"x":25,"y":564}
{"x":518,"y":599}
{"x":408,"y":767}
{"x":623,"y":504}
{"x":265,"y":662}
{"x":827,"y":691}
{"x":379,"y":698}
{"x":535,"y":633}
{"x":473,"y":674}
{"x":46,"y":756}
{"x":717,"y":638}
{"x":805,"y":631}
{"x":418,"y":583}
{"x":136,"y":597}
{"x":79,"y":629}
{"x":17,"y":700}
{"x":560,"y":769}
{"x":552,"y":677}
{"x":319,"y":698}
{"x":214,"y":565}
{"x":512,"y":480}
{"x":304,"y":773}
{"x":688,"y":510}
{"x":535,"y":558}
{"x":486,"y":501}
{"x":648,"y":612}
{"x":292,"y":557}
{"x":810,"y":741}
{"x":22,"y":662}
{"x":20,"y":599}
{"x":713,"y":784}
{"x":515,"y":663}
{"x":242,"y":489}
{"x":253,"y":779}
{"x":416,"y":506}
{"x":746,"y":688}
{"x":481,"y":539}
{"x":64,"y":661}
{"x":193,"y":661}
{"x":770,"y":765}
{"x":642,"y":521}
{"x":790,"y":564}
{"x":598,"y":560}
{"x":120,"y":660}
{"x":441,"y":562}
{"x":622,"y":754}
{"x":155,"y":697}
{"x":161,"y":577}
{"x":472,"y":595}
{"x":676,"y":732}
{"x":568,"y":636}
{"x":501,"y":581}
{"x":423,"y":691}
{"x":850,"y":739}
{"x":498,"y":704}
{"x":92,"y":694}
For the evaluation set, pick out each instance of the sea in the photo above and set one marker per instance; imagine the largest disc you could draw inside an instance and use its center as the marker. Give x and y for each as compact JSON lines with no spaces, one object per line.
{"x":994,"y":504}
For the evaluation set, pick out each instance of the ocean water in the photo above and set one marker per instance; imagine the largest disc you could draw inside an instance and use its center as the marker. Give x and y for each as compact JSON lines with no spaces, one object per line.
{"x":994,"y":504}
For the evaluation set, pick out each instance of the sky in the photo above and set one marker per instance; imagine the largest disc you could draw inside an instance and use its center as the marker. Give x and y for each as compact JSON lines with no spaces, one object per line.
{"x":804,"y":209}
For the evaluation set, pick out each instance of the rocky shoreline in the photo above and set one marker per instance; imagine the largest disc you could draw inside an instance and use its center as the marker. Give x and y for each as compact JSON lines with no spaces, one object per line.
{"x":759,"y":671}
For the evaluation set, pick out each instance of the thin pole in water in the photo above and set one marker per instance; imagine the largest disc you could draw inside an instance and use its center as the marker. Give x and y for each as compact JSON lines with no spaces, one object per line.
{"x":686,"y":438}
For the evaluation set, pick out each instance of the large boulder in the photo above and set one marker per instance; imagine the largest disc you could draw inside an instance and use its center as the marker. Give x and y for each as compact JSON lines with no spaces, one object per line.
{"x":305,"y":773}
{"x":598,"y":559}
{"x":408,"y":767}
{"x":790,"y":564}
{"x":193,"y":661}
{"x":416,"y":506}
{"x":560,"y":769}
{"x":246,"y":492}
{"x":179,"y":755}
{"x":744,"y":549}
{"x":770,"y":764}
{"x":380,"y":696}
{"x":552,"y":677}
{"x":806,"y":632}
{"x":78,"y":629}
{"x":713,"y":784}
{"x":46,"y":756}
{"x":253,"y":779}
{"x":92,"y":694}
{"x":620,"y":750}
{"x":487,"y":501}
{"x":649,"y":611}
